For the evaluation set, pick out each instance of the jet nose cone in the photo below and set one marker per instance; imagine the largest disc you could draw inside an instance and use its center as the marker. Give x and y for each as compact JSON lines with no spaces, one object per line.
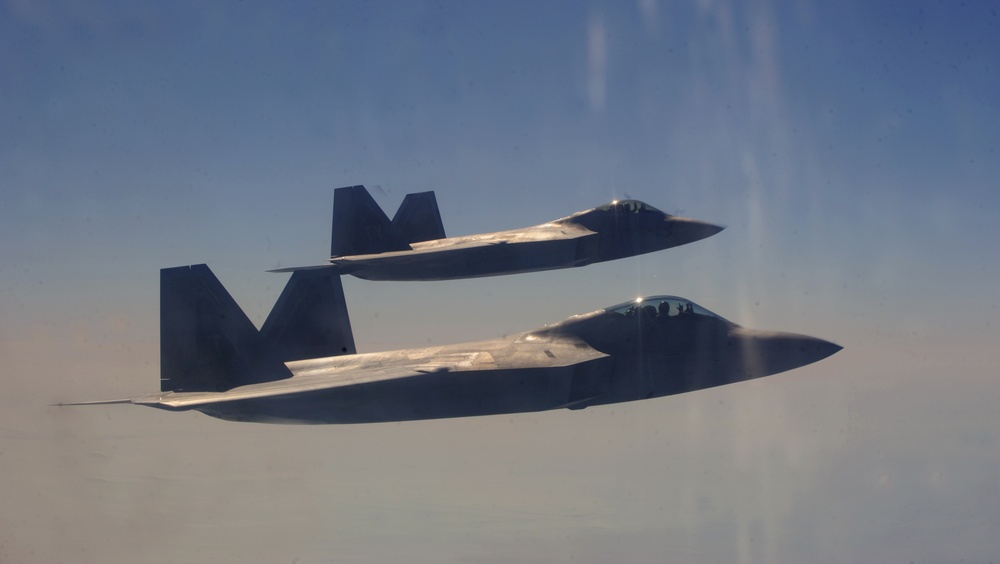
{"x":810,"y":349}
{"x":685,"y":230}
{"x":765,"y":353}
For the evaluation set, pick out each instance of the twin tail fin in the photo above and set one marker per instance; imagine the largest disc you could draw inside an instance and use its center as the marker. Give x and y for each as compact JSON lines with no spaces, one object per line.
{"x":360,"y":227}
{"x":208,"y":344}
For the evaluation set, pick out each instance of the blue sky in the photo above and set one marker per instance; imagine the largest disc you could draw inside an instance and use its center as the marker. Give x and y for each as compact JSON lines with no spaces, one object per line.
{"x":851,"y":150}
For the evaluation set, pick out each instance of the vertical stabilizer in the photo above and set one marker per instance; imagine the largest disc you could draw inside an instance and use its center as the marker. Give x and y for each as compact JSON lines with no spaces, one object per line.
{"x":418,"y":218}
{"x":360,"y":227}
{"x":310,"y":318}
{"x":207,"y":343}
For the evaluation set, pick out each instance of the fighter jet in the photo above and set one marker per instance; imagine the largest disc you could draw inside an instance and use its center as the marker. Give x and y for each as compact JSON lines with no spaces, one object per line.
{"x":413,"y":245}
{"x":302,"y":366}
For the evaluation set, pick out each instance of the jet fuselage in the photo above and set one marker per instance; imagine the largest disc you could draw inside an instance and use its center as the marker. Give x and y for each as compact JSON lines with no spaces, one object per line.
{"x":617,"y":230}
{"x":638,"y":350}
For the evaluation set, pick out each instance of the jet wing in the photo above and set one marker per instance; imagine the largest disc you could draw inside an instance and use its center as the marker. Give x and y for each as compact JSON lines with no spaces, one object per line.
{"x":361,"y":369}
{"x":295,"y":385}
{"x":537,"y":234}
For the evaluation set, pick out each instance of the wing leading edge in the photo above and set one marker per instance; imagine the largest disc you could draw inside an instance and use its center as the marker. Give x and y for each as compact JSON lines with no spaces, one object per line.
{"x":317,"y":375}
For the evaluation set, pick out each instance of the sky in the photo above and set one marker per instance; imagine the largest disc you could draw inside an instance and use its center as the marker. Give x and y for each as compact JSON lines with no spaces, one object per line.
{"x":850,"y":148}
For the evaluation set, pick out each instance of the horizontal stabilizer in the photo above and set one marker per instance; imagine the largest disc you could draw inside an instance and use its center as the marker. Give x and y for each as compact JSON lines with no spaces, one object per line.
{"x":298,"y":268}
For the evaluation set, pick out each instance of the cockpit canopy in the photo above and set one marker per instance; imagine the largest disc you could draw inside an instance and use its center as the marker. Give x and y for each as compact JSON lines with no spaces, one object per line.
{"x":621,"y":214}
{"x":629,"y":206}
{"x":662,"y":307}
{"x":606,"y":330}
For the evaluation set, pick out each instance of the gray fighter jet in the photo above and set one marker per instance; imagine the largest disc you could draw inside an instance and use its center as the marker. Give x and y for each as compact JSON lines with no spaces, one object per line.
{"x":413,"y":246}
{"x":302,"y":366}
